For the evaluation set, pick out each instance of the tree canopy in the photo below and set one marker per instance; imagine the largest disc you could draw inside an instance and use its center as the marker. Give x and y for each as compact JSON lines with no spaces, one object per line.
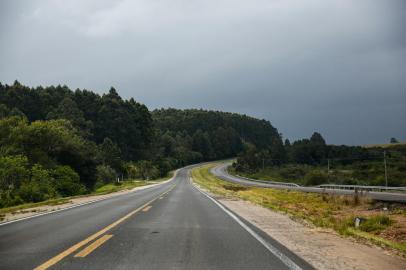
{"x":76,"y":140}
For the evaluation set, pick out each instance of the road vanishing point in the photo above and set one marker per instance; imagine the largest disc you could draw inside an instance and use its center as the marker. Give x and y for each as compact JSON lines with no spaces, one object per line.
{"x":174,"y":225}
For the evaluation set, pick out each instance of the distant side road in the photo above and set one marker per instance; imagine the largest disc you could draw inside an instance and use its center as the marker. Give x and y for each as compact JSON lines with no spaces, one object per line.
{"x":221,"y":172}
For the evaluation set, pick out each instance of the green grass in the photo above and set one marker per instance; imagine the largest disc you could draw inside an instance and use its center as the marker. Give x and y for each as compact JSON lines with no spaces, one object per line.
{"x":110,"y":188}
{"x":105,"y":189}
{"x":20,"y":207}
{"x":375,"y":223}
{"x":322,"y":210}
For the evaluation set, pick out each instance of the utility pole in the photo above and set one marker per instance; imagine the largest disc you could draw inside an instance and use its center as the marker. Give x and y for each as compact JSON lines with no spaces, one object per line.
{"x":386,"y":172}
{"x":328,"y":166}
{"x":328,"y":170}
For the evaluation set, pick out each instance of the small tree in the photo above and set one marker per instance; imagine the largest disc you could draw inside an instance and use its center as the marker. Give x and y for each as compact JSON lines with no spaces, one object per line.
{"x":314,"y":178}
{"x":4,"y":111}
{"x":147,"y":170}
{"x":39,"y":187}
{"x":393,"y":140}
{"x":132,"y":170}
{"x":105,"y":174}
{"x":67,"y":181}
{"x":13,"y":171}
{"x":111,"y":154}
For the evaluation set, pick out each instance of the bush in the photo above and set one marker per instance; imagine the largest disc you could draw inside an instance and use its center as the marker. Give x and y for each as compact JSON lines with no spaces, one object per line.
{"x":147,"y":170}
{"x":314,"y":178}
{"x":13,"y":171}
{"x":292,"y":173}
{"x":39,"y":187}
{"x":67,"y":181}
{"x":8,"y":198}
{"x":131,"y":170}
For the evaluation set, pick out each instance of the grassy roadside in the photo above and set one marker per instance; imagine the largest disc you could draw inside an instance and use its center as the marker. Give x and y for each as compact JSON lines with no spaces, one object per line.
{"x":128,"y":184}
{"x":386,"y":228}
{"x":105,"y":189}
{"x":21,"y":207}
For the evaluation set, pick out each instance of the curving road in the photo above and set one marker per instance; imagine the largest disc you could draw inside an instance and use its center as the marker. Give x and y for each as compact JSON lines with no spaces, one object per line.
{"x":170,"y":226}
{"x":221,"y":172}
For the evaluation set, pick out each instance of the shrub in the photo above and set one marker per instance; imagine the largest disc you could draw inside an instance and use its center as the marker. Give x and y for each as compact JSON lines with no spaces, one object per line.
{"x":39,"y":187}
{"x":67,"y":181}
{"x":105,"y":174}
{"x":292,"y":173}
{"x":13,"y":171}
{"x":147,"y":170}
{"x":314,"y":178}
{"x":8,"y":198}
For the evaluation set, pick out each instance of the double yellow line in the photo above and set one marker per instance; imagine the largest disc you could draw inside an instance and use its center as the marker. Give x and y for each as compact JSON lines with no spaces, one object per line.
{"x":84,"y":242}
{"x":87,"y":250}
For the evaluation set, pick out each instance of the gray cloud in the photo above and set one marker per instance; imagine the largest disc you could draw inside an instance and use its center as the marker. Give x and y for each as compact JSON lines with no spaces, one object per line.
{"x":333,"y":66}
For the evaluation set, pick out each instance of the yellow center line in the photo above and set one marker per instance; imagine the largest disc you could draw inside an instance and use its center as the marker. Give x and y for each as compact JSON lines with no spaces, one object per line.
{"x":146,"y":208}
{"x":84,"y":242}
{"x":89,"y":249}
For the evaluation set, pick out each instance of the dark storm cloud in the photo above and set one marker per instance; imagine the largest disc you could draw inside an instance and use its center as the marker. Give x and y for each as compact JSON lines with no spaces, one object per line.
{"x":333,"y":66}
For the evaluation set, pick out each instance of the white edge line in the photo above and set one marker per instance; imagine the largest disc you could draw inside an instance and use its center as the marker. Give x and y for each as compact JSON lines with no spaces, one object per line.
{"x":81,"y":204}
{"x":286,"y":260}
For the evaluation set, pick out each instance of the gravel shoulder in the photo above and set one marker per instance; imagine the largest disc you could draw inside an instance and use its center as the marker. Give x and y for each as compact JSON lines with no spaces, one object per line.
{"x":322,"y":248}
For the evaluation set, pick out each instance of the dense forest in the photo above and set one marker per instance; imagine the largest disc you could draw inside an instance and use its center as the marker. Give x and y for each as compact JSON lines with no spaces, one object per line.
{"x":57,"y":142}
{"x":214,"y":135}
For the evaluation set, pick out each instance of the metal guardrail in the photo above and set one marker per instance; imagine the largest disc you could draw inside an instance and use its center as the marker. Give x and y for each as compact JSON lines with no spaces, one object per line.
{"x":363,"y":188}
{"x":270,"y":182}
{"x":378,"y":193}
{"x":333,"y":186}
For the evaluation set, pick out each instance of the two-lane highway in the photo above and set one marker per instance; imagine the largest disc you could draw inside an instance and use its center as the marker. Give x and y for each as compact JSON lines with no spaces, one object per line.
{"x":171,"y":226}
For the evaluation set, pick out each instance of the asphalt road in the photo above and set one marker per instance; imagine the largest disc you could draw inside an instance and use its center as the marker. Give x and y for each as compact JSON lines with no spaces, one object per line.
{"x":171,"y":226}
{"x":221,"y":172}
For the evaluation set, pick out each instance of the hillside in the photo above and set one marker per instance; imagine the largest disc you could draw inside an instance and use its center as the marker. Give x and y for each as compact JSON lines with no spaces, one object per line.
{"x":57,"y":142}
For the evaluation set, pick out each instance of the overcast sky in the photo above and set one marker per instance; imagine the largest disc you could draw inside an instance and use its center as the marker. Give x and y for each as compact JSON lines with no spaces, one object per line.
{"x":337,"y":67}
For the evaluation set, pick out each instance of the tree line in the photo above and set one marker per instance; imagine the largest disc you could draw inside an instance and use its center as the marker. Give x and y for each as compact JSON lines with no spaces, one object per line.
{"x":312,"y":162}
{"x":58,"y":142}
{"x":311,"y":151}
